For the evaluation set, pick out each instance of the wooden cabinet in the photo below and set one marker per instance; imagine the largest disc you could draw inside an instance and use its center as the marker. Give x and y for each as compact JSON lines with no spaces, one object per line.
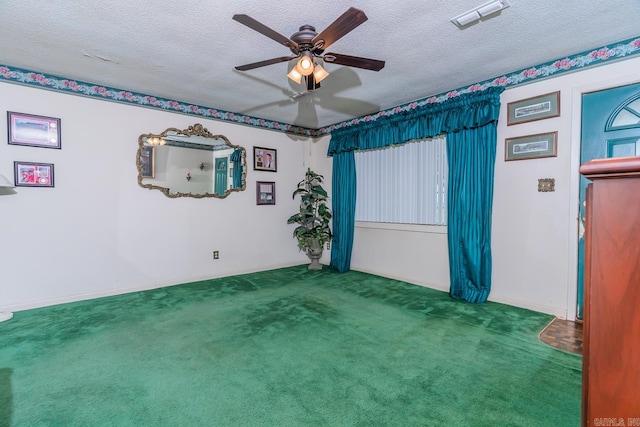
{"x":611,"y":347}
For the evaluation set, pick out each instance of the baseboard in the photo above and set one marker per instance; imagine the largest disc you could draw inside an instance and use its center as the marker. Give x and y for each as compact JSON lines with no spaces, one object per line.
{"x":555,"y":311}
{"x":442,"y":288}
{"x":125,"y":290}
{"x":76,"y":297}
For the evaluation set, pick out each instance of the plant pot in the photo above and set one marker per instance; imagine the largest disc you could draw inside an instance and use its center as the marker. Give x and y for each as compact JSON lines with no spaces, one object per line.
{"x":315,"y":253}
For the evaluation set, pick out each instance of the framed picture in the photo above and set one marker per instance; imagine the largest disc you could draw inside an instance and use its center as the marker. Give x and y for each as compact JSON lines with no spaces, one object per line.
{"x":34,"y":131}
{"x":536,"y":108}
{"x":531,"y":146}
{"x":27,"y":174}
{"x":265,"y":193}
{"x":148,"y":161}
{"x":264,"y":159}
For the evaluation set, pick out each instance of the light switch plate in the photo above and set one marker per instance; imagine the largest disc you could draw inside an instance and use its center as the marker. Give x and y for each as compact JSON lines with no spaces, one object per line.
{"x":546,"y":185}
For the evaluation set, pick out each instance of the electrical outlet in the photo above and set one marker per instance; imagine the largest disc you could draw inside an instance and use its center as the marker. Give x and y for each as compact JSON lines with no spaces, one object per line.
{"x":216,"y":254}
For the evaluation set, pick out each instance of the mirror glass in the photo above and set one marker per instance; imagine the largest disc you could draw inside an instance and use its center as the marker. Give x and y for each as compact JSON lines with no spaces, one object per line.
{"x":191,"y":163}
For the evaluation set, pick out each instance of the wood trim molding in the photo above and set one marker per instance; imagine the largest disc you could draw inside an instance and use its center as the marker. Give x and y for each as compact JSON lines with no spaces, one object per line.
{"x":611,"y":168}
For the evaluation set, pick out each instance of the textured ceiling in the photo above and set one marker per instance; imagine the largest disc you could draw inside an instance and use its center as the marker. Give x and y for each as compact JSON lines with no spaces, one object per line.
{"x":186,"y":51}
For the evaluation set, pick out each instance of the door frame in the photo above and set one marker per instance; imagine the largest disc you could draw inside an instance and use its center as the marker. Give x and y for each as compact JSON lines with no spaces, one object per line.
{"x":574,"y":185}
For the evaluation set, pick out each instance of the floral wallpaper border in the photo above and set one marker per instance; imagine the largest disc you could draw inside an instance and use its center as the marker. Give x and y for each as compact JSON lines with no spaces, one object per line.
{"x":31,"y":78}
{"x":585,"y":59}
{"x":590,"y":58}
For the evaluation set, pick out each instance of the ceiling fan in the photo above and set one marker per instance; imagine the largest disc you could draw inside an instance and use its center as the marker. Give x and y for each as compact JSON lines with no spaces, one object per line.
{"x":307,"y":45}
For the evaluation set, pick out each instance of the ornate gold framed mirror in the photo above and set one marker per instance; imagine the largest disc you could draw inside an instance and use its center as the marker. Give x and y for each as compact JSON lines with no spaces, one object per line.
{"x":191,"y":162}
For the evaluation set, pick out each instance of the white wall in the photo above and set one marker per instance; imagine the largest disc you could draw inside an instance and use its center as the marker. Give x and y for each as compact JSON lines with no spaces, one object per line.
{"x":534,"y":238}
{"x":535,"y":234}
{"x":98,"y":233}
{"x":416,"y":254}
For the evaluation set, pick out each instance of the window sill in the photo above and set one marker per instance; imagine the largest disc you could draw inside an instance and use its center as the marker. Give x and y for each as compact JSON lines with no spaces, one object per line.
{"x":414,"y":228}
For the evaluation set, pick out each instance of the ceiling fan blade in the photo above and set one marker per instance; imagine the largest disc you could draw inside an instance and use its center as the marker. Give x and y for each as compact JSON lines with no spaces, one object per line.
{"x":354,"y":61}
{"x":263,"y":63}
{"x":341,"y":26}
{"x":263,"y":29}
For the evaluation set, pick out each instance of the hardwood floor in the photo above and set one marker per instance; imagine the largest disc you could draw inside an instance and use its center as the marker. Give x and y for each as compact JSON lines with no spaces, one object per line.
{"x":564,"y":335}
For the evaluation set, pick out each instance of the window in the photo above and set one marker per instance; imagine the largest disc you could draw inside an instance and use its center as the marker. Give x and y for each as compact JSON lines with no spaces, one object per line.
{"x":403,"y":184}
{"x":626,"y":116}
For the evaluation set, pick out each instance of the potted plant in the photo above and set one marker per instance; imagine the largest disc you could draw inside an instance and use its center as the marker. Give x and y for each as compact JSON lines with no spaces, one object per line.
{"x":313,"y":218}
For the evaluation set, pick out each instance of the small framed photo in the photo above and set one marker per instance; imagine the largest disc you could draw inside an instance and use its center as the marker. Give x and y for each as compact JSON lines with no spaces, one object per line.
{"x":34,"y":131}
{"x":265,"y":193}
{"x":536,"y":108}
{"x":27,"y":174}
{"x":148,"y":162}
{"x":531,"y":146}
{"x":264,"y":159}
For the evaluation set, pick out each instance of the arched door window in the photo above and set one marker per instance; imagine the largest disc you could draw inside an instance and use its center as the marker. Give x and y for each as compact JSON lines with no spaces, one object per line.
{"x":622,"y":142}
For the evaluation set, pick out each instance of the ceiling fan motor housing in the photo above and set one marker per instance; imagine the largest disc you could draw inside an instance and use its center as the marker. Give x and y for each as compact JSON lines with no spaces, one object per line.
{"x":304,"y":38}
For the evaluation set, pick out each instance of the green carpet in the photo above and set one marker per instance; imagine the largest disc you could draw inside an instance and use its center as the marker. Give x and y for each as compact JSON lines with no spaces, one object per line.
{"x":287,"y":347}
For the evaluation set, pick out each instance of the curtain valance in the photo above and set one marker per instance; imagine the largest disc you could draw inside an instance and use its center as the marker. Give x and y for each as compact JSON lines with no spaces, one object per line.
{"x":466,"y":111}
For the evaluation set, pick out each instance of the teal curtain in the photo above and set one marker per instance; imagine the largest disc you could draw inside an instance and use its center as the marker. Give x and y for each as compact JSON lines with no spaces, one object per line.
{"x":343,"y":203}
{"x":467,"y":111}
{"x":471,"y":154}
{"x":236,"y":158}
{"x":468,"y":120}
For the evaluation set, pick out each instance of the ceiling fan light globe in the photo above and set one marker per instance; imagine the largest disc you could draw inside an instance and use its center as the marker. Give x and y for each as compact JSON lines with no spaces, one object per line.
{"x":305,"y":66}
{"x":295,"y":75}
{"x":319,"y":73}
{"x":305,"y":63}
